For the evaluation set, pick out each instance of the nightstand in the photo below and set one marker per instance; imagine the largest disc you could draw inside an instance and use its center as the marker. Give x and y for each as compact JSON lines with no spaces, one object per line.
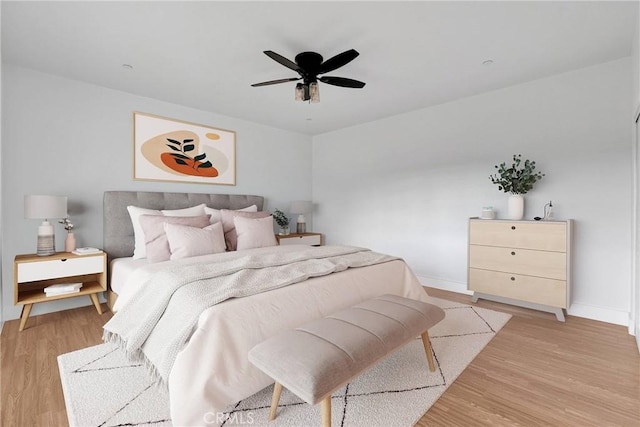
{"x":311,"y":239}
{"x":32,"y":273}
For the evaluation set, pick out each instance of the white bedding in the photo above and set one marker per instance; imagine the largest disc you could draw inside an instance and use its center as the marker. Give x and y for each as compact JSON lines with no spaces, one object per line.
{"x":212,"y":370}
{"x":121,"y":269}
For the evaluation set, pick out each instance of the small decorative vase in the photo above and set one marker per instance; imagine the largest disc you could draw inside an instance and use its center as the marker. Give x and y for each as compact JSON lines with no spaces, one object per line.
{"x":515,"y":209}
{"x":284,"y":231}
{"x":70,"y":243}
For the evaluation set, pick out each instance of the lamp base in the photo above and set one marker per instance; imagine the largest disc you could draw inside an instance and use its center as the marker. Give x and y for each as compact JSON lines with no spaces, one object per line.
{"x":46,"y":239}
{"x":301,"y":227}
{"x":46,"y":245}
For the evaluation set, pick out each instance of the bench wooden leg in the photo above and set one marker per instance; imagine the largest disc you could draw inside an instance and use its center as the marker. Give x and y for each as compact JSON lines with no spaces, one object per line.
{"x":325,"y":408}
{"x":277,"y":390}
{"x":427,"y":350}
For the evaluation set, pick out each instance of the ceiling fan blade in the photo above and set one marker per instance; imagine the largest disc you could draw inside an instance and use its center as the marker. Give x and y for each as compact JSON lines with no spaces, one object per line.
{"x":282,"y":60}
{"x":338,"y":61}
{"x":275,"y":82}
{"x":342,"y":82}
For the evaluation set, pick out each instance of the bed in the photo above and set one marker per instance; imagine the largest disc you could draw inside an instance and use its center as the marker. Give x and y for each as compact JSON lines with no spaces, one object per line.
{"x":211,"y":371}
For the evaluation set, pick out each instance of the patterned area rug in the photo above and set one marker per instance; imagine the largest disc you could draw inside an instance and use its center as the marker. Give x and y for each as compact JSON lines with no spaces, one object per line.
{"x":102,"y":388}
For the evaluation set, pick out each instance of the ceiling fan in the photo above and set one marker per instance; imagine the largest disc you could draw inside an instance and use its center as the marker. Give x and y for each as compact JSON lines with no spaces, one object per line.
{"x":309,"y":65}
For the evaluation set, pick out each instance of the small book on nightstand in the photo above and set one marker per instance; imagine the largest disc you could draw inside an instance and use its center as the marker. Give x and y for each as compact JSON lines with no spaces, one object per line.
{"x":62,"y":289}
{"x":86,"y":251}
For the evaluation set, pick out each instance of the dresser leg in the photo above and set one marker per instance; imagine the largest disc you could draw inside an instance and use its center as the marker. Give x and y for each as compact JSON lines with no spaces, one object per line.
{"x":96,"y":302}
{"x":26,"y":310}
{"x":559,"y":312}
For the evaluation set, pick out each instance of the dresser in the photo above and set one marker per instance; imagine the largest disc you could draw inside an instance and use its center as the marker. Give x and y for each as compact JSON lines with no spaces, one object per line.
{"x":525,"y":263}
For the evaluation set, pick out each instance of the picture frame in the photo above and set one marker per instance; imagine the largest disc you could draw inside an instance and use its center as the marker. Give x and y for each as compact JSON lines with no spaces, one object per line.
{"x":166,"y":149}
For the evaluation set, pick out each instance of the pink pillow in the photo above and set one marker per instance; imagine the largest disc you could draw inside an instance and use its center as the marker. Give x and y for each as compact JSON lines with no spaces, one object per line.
{"x":155,"y":237}
{"x":254,"y":232}
{"x":229,"y":228}
{"x":185,"y":241}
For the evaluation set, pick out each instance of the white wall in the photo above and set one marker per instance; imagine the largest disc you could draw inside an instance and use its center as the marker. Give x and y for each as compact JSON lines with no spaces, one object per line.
{"x":65,"y":137}
{"x":1,"y":311}
{"x":407,"y":184}
{"x":634,"y":321}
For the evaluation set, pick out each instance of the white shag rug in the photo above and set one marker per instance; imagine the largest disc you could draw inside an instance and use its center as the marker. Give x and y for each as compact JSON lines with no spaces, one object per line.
{"x":102,"y":388}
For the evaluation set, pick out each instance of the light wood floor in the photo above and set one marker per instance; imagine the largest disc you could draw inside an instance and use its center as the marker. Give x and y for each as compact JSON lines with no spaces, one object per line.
{"x":535,"y":372}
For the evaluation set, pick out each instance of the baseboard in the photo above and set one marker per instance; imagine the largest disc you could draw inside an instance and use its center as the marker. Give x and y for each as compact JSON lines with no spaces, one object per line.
{"x":445,"y":285}
{"x":577,"y":309}
{"x":602,"y":314}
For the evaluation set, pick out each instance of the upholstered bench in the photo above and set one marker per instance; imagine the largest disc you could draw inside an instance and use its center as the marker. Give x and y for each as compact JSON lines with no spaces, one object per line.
{"x":317,"y":358}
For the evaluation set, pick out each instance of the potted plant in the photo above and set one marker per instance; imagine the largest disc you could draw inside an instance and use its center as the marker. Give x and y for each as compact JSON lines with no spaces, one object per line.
{"x":283,"y":222}
{"x":517,"y":179}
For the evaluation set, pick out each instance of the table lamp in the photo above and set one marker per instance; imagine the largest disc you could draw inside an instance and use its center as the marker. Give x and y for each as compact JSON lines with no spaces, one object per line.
{"x":45,"y":208}
{"x":301,"y":207}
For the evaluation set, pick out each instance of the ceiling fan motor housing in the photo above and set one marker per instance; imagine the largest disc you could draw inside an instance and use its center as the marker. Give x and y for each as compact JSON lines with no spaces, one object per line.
{"x":309,"y":66}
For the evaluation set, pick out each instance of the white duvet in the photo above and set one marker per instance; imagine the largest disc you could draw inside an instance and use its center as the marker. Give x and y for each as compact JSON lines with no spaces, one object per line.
{"x":212,"y":370}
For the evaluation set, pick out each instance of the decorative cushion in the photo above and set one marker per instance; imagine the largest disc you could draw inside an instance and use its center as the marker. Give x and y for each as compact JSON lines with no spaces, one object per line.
{"x":157,"y":246}
{"x":185,"y":241}
{"x":139,"y":250}
{"x":229,"y":227}
{"x":254,"y":232}
{"x":215,"y":213}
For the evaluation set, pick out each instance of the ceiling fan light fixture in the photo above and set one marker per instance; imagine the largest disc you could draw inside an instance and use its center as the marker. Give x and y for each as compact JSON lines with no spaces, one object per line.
{"x":314,"y":92}
{"x":299,"y":95}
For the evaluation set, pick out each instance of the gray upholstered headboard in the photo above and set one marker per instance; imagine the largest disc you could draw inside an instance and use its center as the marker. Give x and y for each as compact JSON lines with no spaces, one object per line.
{"x":118,"y":229}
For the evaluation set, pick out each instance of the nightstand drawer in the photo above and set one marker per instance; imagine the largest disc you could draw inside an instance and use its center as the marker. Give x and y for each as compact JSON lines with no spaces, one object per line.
{"x":61,"y":267}
{"x":547,"y":236}
{"x":301,"y":240}
{"x":551,"y":265}
{"x":525,"y":288}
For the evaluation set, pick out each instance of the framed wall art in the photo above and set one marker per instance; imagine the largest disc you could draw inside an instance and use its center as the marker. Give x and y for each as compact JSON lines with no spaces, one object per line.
{"x":172,"y":150}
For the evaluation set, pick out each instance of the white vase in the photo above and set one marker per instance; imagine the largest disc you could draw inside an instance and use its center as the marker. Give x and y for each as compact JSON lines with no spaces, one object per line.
{"x":515,"y":209}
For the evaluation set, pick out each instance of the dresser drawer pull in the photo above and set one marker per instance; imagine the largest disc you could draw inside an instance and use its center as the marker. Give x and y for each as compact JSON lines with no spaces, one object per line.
{"x":513,"y":253}
{"x":63,"y":259}
{"x":513,"y":227}
{"x":513,"y":278}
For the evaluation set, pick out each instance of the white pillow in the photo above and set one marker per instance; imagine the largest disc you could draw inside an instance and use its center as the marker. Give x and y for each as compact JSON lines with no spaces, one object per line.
{"x":192,"y":211}
{"x":254,"y":232}
{"x":140,"y":245}
{"x":216,"y":216}
{"x":186,"y":241}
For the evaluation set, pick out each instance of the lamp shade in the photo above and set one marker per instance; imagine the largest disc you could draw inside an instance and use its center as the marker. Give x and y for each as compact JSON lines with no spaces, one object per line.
{"x":301,"y":207}
{"x":45,"y":207}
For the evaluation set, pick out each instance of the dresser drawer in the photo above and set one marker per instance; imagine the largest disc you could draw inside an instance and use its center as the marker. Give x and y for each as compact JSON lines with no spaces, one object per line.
{"x":62,"y":267}
{"x":551,"y":265}
{"x":301,"y":240}
{"x":548,"y":236}
{"x":525,"y":288}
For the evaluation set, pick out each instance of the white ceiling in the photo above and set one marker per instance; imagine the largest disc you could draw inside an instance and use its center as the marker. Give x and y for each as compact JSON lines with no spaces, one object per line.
{"x":412,"y":54}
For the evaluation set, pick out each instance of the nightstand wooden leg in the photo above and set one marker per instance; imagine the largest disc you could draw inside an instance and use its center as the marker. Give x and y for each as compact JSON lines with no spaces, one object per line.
{"x":26,"y":310}
{"x":96,"y":302}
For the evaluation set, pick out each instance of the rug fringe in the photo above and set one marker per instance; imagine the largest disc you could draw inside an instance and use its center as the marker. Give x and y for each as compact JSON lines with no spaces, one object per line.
{"x":136,"y":356}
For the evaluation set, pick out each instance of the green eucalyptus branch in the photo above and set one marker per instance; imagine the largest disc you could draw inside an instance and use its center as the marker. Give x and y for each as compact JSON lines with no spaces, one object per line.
{"x":280,"y":218}
{"x":517,"y":178}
